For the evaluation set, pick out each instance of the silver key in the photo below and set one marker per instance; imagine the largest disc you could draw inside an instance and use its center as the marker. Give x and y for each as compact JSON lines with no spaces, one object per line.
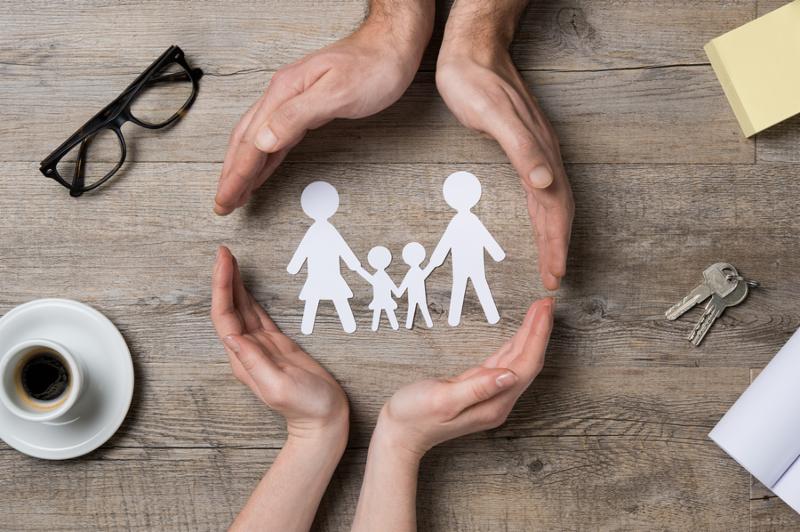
{"x":720,"y":278}
{"x":715,"y":307}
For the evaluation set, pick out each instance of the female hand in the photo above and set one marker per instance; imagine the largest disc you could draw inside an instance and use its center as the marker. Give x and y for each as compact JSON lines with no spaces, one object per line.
{"x":281,"y":374}
{"x":355,"y":77}
{"x":424,"y":414}
{"x":485,"y":92}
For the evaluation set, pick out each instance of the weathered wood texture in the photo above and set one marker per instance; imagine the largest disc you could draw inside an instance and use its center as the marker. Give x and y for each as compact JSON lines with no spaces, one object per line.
{"x":613,"y":433}
{"x":672,"y":115}
{"x":464,"y":486}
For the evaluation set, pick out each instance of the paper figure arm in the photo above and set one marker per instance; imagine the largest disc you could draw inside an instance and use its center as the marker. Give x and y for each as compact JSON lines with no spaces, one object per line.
{"x":299,"y":256}
{"x":491,"y":245}
{"x":395,"y":289}
{"x":348,"y":256}
{"x":442,"y":248}
{"x":427,"y":271}
{"x":364,"y":274}
{"x":403,"y":286}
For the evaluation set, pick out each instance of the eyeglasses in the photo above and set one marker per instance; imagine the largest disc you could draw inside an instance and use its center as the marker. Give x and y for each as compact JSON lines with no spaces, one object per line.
{"x":158,"y":97}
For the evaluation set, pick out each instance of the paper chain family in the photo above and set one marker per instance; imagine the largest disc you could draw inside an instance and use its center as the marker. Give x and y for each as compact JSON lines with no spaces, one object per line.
{"x":323,"y":247}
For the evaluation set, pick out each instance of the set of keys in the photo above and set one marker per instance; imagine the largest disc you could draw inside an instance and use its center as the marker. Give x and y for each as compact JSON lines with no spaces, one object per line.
{"x":726,"y":288}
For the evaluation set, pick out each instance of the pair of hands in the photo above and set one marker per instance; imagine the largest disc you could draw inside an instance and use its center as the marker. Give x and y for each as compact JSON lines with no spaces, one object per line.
{"x":418,"y":417}
{"x":368,"y":71}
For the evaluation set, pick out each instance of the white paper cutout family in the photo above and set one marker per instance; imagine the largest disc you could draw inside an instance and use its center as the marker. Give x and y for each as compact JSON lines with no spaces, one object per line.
{"x":322,"y":248}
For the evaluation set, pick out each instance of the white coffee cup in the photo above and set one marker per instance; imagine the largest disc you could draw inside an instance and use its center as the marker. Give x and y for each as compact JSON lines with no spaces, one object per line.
{"x":27,"y":365}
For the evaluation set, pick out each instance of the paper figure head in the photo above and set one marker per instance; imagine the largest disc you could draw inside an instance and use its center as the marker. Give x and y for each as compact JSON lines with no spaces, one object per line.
{"x":413,"y":254}
{"x":319,"y":200}
{"x":379,"y":257}
{"x":461,"y":190}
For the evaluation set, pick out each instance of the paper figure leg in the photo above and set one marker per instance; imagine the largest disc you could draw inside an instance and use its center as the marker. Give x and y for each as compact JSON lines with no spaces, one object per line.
{"x":486,"y":299}
{"x":457,"y":301}
{"x":392,"y":319}
{"x":345,"y":314}
{"x":412,"y":308}
{"x":309,"y":316}
{"x":426,"y":314}
{"x":376,"y":318}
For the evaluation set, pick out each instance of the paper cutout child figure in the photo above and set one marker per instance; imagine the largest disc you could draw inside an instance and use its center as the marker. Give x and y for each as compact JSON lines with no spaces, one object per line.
{"x":466,"y":238}
{"x":414,"y":282}
{"x":382,"y":287}
{"x":323,"y":247}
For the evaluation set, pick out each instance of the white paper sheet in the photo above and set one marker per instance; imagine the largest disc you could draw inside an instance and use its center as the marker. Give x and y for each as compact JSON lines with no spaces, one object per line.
{"x":761,"y":431}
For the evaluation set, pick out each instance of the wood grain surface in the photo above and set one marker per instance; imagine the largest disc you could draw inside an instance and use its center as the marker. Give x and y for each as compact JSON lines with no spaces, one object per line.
{"x":612,"y":435}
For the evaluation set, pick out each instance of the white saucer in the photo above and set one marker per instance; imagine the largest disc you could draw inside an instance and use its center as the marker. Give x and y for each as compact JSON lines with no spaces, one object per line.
{"x":102,"y":406}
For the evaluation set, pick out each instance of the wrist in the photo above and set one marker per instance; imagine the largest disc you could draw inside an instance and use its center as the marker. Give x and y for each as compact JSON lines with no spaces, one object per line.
{"x":480,"y":31}
{"x":401,"y":28}
{"x":391,"y":439}
{"x":329,"y":436}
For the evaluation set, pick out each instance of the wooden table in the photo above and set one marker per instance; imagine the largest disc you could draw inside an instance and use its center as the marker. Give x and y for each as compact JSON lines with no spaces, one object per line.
{"x":612,"y":435}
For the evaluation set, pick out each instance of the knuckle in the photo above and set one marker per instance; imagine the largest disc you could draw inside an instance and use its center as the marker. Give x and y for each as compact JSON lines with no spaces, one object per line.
{"x":249,"y":361}
{"x":286,"y":115}
{"x":524,"y":141}
{"x":280,"y":76}
{"x":480,"y":391}
{"x":494,"y":417}
{"x":239,"y":374}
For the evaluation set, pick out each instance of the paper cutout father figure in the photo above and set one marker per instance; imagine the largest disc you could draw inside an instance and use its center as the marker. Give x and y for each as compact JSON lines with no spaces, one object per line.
{"x":466,"y":238}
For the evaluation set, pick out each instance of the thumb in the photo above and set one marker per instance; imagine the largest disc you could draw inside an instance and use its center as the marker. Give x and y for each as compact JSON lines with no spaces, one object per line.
{"x":289,"y":122}
{"x":523,"y":150}
{"x":254,"y":360}
{"x":481,"y":385}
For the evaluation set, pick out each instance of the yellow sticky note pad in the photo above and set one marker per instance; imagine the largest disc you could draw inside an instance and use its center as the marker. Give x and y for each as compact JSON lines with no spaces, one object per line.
{"x":758,"y":66}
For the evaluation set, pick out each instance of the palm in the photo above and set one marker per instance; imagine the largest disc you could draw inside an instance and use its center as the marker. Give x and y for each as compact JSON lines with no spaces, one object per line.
{"x":494,"y":100}
{"x":279,"y":372}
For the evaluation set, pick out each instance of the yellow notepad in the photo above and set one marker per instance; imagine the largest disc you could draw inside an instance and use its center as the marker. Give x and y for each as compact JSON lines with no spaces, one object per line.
{"x":758,"y":66}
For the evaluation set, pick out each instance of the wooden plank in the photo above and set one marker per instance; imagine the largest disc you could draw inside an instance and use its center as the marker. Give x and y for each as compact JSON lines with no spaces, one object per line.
{"x":560,"y":483}
{"x":769,"y":513}
{"x":202,"y":405}
{"x":149,"y":269}
{"x":671,"y":115}
{"x":557,"y":35}
{"x":780,"y":143}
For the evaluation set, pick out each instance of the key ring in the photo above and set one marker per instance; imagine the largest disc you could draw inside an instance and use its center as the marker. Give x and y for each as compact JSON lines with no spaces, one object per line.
{"x":751,"y":283}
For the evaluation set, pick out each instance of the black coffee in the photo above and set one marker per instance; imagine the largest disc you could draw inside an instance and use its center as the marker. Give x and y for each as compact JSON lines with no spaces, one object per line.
{"x":44,"y":376}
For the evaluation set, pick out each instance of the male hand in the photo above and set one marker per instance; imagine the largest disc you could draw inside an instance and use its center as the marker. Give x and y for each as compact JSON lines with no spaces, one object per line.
{"x":485,"y":92}
{"x":281,"y":374}
{"x":355,"y":77}
{"x":424,"y":414}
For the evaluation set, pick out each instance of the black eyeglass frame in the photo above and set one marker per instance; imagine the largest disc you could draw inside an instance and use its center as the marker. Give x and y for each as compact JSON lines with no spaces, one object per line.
{"x":114,"y":115}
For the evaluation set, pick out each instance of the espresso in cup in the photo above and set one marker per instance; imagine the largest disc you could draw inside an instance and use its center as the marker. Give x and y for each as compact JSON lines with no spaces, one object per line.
{"x":39,"y":380}
{"x":42,"y":379}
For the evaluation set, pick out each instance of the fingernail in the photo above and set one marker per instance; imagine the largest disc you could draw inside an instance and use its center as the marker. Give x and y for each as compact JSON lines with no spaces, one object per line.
{"x":506,"y":379}
{"x":540,"y":177}
{"x":266,"y":139}
{"x":219,"y":210}
{"x":231,"y":343}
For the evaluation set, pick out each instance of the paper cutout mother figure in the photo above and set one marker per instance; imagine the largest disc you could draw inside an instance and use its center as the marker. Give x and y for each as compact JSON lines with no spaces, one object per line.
{"x":467,"y":238}
{"x":323,"y":247}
